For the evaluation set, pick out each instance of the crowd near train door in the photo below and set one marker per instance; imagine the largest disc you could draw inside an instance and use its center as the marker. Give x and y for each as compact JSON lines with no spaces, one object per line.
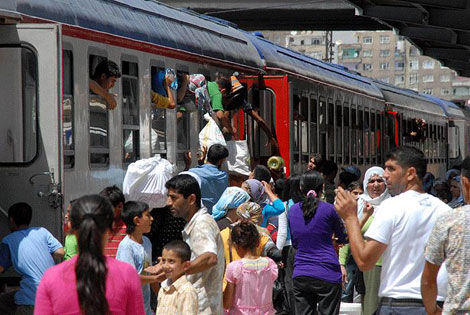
{"x":30,"y":123}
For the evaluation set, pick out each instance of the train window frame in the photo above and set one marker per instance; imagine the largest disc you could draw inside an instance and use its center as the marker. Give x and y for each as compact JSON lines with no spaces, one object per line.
{"x":34,"y":125}
{"x":322,"y":136}
{"x":346,"y":133}
{"x":100,"y":54}
{"x":304,"y":112}
{"x":373,"y":135}
{"x":135,"y":126}
{"x":296,"y":146}
{"x":185,"y":125}
{"x":366,"y":134}
{"x":313,"y":136}
{"x":69,"y":96}
{"x":339,"y":132}
{"x":330,"y":126}
{"x":360,"y":136}
{"x":154,"y":67}
{"x":353,"y":133}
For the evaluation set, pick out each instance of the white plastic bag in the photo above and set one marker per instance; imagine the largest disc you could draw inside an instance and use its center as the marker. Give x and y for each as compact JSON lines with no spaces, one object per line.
{"x":211,"y":134}
{"x":145,"y":181}
{"x":238,"y":160}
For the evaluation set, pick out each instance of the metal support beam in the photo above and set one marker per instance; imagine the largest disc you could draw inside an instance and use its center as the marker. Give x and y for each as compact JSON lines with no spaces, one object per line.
{"x":429,"y":34}
{"x":397,"y":13}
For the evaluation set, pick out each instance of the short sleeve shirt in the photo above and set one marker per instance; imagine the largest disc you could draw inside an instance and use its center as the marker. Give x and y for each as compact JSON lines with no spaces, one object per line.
{"x":450,"y":242}
{"x":202,"y":235}
{"x":139,"y":256}
{"x":404,"y":223}
{"x":215,"y":95}
{"x":29,"y":251}
{"x":159,"y":101}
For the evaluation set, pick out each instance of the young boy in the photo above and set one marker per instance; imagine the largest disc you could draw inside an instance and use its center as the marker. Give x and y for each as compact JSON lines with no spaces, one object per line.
{"x":177,"y":295}
{"x":135,"y":248}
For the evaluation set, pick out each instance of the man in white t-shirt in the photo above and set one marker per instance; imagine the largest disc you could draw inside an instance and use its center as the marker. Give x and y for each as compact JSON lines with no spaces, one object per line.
{"x":399,"y":232}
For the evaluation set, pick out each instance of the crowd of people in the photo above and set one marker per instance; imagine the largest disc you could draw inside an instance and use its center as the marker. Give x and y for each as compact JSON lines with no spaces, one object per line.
{"x":270,"y":245}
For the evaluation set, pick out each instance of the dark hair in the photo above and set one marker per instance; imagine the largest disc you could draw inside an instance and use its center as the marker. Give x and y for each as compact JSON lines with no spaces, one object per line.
{"x":328,"y":168}
{"x":355,"y":185}
{"x":186,"y":185}
{"x":465,"y":167}
{"x":21,"y":213}
{"x":181,"y":249}
{"x":108,"y":67}
{"x":444,"y":194}
{"x":245,"y":234}
{"x":261,"y":172}
{"x":224,"y":83}
{"x":216,"y":153}
{"x":347,"y":178}
{"x":407,"y":156}
{"x":91,"y":216}
{"x":114,"y":194}
{"x":311,"y":180}
{"x":131,"y":210}
{"x":280,"y":186}
{"x":292,"y":190}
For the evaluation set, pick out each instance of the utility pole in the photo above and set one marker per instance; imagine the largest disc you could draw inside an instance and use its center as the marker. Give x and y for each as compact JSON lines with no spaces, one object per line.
{"x":328,"y":46}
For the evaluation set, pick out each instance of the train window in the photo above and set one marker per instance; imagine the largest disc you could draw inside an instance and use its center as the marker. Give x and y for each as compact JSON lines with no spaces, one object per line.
{"x":130,"y":112}
{"x":354,"y":134}
{"x":373,"y":132}
{"x":331,"y":130}
{"x":339,"y":135}
{"x":182,"y":126}
{"x":322,"y":124}
{"x":360,"y":135}
{"x":68,"y":109}
{"x":158,"y":131}
{"x":346,"y":141}
{"x":297,"y":120}
{"x":313,"y":126}
{"x":99,"y":116}
{"x":366,"y":135}
{"x":304,"y":115}
{"x":18,"y":87}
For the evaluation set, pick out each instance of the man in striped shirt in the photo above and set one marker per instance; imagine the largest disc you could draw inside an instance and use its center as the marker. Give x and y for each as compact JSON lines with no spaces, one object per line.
{"x":116,"y":197}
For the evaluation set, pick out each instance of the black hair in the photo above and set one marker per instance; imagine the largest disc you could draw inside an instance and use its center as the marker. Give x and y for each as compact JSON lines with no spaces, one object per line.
{"x":108,"y":67}
{"x":328,"y":168}
{"x":407,"y":156}
{"x":186,"y":185}
{"x":292,"y":190}
{"x":224,"y":83}
{"x":261,"y":172}
{"x":180,"y":248}
{"x":355,"y":185}
{"x":311,"y":180}
{"x":216,"y":153}
{"x":131,"y":210}
{"x":444,"y":194}
{"x":21,"y":213}
{"x":279,"y":186}
{"x":347,"y":178}
{"x":246,"y":235}
{"x":91,"y":217}
{"x":114,"y":194}
{"x":465,"y":167}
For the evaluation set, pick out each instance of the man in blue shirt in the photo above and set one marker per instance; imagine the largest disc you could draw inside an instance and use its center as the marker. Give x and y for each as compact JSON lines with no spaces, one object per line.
{"x":30,"y":251}
{"x":213,"y":180}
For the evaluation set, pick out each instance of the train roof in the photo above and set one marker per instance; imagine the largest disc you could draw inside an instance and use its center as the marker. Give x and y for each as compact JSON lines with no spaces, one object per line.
{"x":409,"y":99}
{"x":451,"y":110}
{"x":147,"y":21}
{"x":278,"y":57}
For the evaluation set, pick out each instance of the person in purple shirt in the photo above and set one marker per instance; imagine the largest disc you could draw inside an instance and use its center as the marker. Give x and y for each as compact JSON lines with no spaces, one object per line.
{"x":317,"y":273}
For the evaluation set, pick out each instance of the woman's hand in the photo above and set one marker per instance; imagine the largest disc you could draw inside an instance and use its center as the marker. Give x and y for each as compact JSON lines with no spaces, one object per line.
{"x":344,"y":275}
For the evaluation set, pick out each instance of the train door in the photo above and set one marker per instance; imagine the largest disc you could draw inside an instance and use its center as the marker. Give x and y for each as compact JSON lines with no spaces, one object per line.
{"x":30,"y":123}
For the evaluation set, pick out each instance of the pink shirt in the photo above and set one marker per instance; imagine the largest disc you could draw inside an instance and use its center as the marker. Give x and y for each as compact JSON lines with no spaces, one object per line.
{"x":253,"y":286}
{"x":57,"y":292}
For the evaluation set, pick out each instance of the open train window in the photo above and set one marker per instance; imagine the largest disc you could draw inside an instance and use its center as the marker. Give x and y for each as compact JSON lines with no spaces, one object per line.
{"x":346,"y":126}
{"x":330,"y":127}
{"x":18,"y":87}
{"x":338,"y":132}
{"x":304,"y":131}
{"x":322,"y":124}
{"x":360,"y":134}
{"x":130,"y":112}
{"x":99,"y":116}
{"x":313,"y":126}
{"x":182,"y":128}
{"x":68,"y":109}
{"x":354,"y":134}
{"x":297,"y":117}
{"x":373,"y":136}
{"x":158,"y":129}
{"x":366,"y":129}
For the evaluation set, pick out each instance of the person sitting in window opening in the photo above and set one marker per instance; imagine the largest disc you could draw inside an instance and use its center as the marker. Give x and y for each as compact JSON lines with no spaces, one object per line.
{"x":104,"y":77}
{"x":418,"y":130}
{"x":162,"y":96}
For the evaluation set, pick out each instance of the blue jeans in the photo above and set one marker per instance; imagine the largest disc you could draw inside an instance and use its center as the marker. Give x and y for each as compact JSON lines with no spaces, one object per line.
{"x":385,"y":309}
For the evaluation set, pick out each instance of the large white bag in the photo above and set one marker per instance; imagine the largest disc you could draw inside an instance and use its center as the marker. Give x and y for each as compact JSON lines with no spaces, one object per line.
{"x":211,"y":134}
{"x":238,"y":160}
{"x":145,"y":181}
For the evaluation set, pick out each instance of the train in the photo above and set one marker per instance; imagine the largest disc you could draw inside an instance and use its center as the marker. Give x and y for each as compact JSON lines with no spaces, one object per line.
{"x":60,"y":141}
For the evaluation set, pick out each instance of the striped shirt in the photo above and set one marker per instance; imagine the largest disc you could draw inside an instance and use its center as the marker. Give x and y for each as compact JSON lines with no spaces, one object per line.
{"x":115,"y":237}
{"x":179,"y":298}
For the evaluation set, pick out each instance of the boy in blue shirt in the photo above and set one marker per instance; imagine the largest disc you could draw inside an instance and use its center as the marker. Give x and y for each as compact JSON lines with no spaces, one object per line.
{"x":136,"y":249}
{"x":30,"y":251}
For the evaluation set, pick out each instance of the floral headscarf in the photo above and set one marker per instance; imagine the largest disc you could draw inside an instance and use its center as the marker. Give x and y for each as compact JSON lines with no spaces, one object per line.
{"x":256,"y":191}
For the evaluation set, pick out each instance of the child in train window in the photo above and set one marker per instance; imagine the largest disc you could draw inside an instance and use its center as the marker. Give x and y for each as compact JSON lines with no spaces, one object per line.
{"x":162,"y":83}
{"x":104,"y":77}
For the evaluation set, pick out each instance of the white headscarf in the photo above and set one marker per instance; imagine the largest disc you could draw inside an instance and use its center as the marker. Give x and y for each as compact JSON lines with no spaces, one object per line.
{"x":373,"y":171}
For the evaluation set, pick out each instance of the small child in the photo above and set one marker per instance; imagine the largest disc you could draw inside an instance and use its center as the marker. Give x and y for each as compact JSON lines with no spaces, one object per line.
{"x":177,"y":295}
{"x":70,"y":246}
{"x":249,"y":280}
{"x":135,"y":248}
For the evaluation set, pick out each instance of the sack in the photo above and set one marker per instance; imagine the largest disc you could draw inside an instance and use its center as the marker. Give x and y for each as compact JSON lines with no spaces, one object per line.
{"x":211,"y":134}
{"x":145,"y":181}
{"x":238,"y":160}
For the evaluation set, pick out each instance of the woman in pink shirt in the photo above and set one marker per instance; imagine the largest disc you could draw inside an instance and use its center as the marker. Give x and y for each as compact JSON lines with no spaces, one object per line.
{"x":90,"y":283}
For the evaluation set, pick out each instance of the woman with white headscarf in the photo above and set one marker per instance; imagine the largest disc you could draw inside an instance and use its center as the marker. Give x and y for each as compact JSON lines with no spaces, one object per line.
{"x":375,"y":192}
